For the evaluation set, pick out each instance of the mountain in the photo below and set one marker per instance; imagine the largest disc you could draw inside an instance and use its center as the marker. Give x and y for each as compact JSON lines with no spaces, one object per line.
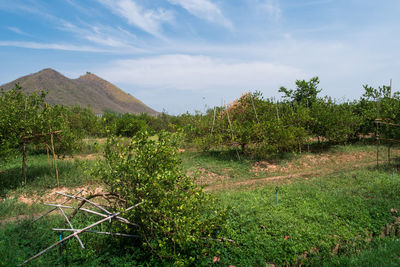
{"x":88,"y":90}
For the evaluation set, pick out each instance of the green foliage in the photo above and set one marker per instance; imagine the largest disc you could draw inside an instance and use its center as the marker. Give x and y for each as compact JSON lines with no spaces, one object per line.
{"x":40,"y":175}
{"x":20,"y":116}
{"x":175,"y":215}
{"x":305,"y":92}
{"x":312,"y":218}
{"x":336,"y":122}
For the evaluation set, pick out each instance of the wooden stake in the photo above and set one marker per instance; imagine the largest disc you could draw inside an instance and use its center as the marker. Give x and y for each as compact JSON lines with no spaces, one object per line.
{"x":54,"y":157}
{"x":230,"y":125}
{"x":254,"y":108}
{"x":212,"y":127}
{"x":24,"y":168}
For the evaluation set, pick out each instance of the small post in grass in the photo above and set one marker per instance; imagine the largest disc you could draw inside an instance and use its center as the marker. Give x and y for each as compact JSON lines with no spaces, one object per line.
{"x":60,"y":238}
{"x":277,"y":196}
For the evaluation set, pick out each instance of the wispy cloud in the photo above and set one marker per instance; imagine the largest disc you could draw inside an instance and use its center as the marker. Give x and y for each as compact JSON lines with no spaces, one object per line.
{"x":103,"y":35}
{"x":51,"y":46}
{"x":18,"y":31}
{"x":272,"y":8}
{"x":148,"y":20}
{"x":310,"y":3}
{"x":204,"y":9}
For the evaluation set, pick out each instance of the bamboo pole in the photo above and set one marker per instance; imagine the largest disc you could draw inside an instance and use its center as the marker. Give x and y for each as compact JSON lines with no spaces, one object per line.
{"x":212,"y":127}
{"x":95,"y":205}
{"x":86,"y":200}
{"x":78,"y":232}
{"x":120,"y":219}
{"x":230,"y":125}
{"x":254,"y":108}
{"x":72,"y":228}
{"x":41,"y":216}
{"x":96,"y":232}
{"x":24,"y":168}
{"x":55,"y":160}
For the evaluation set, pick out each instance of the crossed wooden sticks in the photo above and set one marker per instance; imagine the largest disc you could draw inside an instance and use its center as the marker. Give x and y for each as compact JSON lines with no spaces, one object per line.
{"x":106,"y":217}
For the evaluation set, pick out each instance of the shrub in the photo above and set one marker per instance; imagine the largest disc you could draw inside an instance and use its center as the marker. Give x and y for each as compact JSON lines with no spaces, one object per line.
{"x":176,"y":215}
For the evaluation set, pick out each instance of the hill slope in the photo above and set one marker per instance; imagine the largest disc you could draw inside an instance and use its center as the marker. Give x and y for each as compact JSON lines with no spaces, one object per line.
{"x":88,"y":90}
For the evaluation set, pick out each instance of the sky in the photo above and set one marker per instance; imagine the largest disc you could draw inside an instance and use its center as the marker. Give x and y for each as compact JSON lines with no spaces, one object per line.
{"x":190,"y":55}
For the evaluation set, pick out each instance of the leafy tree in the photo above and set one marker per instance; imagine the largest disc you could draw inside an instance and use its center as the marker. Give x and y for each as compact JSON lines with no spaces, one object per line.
{"x":305,"y":93}
{"x":130,"y":124}
{"x":28,"y":119}
{"x":175,"y":214}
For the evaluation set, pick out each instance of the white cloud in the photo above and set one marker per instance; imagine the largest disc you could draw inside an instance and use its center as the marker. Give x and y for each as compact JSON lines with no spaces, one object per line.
{"x":272,"y":8}
{"x":104,"y":36}
{"x":204,"y":9}
{"x":199,"y":73}
{"x":51,"y":46}
{"x":17,"y":30}
{"x":147,"y":20}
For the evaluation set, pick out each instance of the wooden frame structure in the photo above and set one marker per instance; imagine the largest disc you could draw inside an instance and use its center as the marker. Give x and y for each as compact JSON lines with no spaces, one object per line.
{"x":105,"y":214}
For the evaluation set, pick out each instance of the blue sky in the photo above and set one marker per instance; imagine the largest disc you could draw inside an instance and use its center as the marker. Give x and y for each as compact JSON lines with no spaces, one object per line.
{"x":186,"y":55}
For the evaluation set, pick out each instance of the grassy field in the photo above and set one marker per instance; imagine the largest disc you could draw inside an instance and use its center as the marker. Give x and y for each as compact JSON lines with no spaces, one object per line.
{"x":336,"y":208}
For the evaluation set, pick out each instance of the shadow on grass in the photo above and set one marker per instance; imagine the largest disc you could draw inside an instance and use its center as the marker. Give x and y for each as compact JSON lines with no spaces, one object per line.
{"x":40,"y":176}
{"x":383,"y":165}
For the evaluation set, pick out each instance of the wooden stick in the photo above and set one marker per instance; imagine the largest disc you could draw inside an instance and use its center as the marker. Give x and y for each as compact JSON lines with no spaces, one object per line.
{"x":254,"y":108}
{"x":96,"y":232}
{"x":212,"y":127}
{"x":230,"y":125}
{"x":86,"y":200}
{"x":55,"y":160}
{"x":70,"y":224}
{"x":41,"y":216}
{"x":78,"y":232}
{"x":120,"y":219}
{"x":24,"y":168}
{"x":104,"y":195}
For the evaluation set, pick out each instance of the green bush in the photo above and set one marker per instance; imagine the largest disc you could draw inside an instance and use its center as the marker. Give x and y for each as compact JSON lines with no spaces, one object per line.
{"x":176,"y":216}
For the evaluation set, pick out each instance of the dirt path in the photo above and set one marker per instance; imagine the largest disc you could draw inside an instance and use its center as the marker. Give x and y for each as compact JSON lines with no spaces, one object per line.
{"x":264,"y":180}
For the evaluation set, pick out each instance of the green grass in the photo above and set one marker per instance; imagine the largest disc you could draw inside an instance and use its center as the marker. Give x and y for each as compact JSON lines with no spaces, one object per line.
{"x":223,"y":163}
{"x":380,"y":252}
{"x":332,"y":220}
{"x":40,"y":175}
{"x":13,"y":208}
{"x":312,"y":217}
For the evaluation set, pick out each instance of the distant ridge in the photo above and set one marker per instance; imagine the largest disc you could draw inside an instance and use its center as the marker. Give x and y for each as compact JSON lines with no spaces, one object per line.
{"x":88,"y":90}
